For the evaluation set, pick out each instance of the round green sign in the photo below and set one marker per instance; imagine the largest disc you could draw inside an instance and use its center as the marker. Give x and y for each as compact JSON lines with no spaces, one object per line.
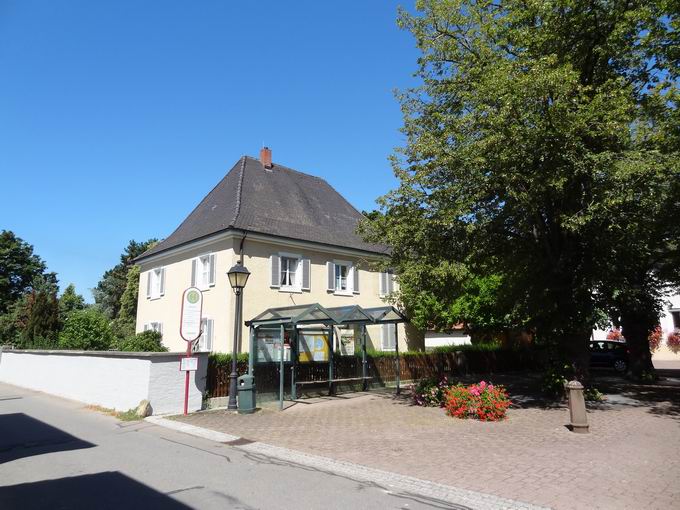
{"x":193,"y":297}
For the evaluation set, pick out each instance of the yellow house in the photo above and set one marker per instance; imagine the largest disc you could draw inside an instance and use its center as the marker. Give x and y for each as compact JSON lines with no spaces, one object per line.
{"x":297,"y":237}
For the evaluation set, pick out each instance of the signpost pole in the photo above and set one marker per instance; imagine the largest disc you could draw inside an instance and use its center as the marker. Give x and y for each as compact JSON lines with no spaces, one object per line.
{"x":281,"y":332}
{"x":293,"y":364}
{"x":331,"y":345}
{"x":396,"y":350}
{"x":190,"y":331}
{"x":186,"y":382}
{"x":364,"y":371}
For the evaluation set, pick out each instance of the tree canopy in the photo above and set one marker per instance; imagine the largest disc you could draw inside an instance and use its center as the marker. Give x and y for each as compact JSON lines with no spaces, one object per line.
{"x":529,"y":144}
{"x":19,"y":268}
{"x":111,"y":287}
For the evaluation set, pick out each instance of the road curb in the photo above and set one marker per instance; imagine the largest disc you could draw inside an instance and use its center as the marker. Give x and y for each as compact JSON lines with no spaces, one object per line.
{"x":192,"y":430}
{"x":391,"y":482}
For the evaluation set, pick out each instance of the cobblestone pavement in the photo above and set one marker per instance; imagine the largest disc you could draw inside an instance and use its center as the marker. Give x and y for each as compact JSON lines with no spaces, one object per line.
{"x":629,"y":460}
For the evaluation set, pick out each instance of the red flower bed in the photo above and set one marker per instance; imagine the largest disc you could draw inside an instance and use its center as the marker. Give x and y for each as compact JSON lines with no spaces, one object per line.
{"x":673,"y":341}
{"x":616,"y":335}
{"x":483,"y":401}
{"x":655,"y":338}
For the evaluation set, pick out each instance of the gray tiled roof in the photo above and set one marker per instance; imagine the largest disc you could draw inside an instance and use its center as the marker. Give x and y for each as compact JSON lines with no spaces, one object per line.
{"x":279,"y":201}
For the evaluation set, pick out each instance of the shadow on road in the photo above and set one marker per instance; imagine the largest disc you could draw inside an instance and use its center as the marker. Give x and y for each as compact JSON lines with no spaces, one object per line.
{"x":23,"y":436}
{"x":108,"y":490}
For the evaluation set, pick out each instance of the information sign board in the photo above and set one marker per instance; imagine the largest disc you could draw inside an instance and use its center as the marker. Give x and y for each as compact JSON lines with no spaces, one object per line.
{"x":192,"y":309}
{"x":188,"y":364}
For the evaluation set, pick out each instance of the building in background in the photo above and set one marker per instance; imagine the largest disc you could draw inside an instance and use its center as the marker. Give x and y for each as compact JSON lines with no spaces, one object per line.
{"x":297,"y":237}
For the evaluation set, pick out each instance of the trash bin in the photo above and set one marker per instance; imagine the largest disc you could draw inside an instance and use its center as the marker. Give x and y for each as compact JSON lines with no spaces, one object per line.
{"x":246,"y":394}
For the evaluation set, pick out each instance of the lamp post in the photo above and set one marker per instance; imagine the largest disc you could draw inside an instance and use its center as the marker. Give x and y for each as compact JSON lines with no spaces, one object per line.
{"x":238,"y":276}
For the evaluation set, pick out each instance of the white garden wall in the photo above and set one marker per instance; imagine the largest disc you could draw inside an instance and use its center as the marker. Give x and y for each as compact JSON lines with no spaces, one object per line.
{"x":113,"y":380}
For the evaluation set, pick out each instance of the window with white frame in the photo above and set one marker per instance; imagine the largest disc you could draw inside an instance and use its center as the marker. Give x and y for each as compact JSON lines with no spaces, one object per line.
{"x":289,"y":270}
{"x":388,"y":337}
{"x":342,"y":277}
{"x":205,"y":341}
{"x":155,"y":283}
{"x":203,"y":271}
{"x":154,"y":326}
{"x":675,"y":314}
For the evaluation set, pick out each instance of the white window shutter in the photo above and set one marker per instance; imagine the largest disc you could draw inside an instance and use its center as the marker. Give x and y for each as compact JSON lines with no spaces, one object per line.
{"x":193,"y":272}
{"x":330,"y":269}
{"x":162,"y":292}
{"x":383,"y":337}
{"x":390,"y":282}
{"x":383,"y":283}
{"x":209,"y":335}
{"x":146,"y":326}
{"x":148,"y":285}
{"x":160,"y":328}
{"x":355,"y":279}
{"x":275,"y":263}
{"x":211,"y":280}
{"x":391,"y":328}
{"x":306,"y":279}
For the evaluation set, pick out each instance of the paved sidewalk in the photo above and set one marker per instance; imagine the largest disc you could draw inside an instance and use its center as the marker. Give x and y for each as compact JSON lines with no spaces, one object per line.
{"x":407,"y":487}
{"x":631,"y":458}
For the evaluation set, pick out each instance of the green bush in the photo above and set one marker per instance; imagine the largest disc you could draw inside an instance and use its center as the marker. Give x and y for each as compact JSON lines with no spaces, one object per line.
{"x":484,"y":347}
{"x":430,"y":392}
{"x":122,"y":328}
{"x":553,"y":383}
{"x":224,"y":359}
{"x":86,"y":330}
{"x":148,"y":341}
{"x":41,"y":343}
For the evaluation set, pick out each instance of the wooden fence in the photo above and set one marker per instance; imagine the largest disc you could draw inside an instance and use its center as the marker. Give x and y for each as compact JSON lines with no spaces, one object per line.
{"x":382,"y":370}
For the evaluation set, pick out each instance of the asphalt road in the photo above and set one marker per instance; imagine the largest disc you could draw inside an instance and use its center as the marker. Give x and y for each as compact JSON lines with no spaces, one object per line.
{"x":57,"y":454}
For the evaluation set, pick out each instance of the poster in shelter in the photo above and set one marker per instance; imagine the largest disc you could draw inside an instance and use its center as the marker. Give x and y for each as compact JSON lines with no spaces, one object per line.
{"x":268,"y":344}
{"x":313,"y":347}
{"x":347,"y":342}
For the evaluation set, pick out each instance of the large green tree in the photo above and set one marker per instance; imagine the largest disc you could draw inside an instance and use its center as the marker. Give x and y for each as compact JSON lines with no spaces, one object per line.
{"x":111,"y":287}
{"x":19,"y":267}
{"x":526,"y":111}
{"x":69,"y":301}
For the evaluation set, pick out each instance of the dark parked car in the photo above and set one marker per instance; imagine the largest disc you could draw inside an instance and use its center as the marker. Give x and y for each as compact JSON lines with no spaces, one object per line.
{"x":608,"y":353}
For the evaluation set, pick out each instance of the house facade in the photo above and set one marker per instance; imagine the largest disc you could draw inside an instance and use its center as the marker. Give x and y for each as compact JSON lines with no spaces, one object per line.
{"x":294,"y":233}
{"x":669,"y":322}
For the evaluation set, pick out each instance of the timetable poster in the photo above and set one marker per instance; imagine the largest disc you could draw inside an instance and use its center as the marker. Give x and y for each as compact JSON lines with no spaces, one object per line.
{"x":313,"y":347}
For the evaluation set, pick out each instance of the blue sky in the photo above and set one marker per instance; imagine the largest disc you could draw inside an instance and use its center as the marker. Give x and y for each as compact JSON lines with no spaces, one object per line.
{"x":117,"y":117}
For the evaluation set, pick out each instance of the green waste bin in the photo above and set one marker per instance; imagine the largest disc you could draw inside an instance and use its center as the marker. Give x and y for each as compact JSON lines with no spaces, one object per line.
{"x":246,"y":394}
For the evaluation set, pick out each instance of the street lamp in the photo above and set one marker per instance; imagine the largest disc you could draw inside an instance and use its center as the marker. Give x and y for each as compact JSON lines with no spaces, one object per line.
{"x":238,"y":276}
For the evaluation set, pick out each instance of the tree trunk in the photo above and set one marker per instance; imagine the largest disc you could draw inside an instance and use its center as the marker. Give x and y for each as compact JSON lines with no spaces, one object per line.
{"x":574,"y":347}
{"x":636,"y":327}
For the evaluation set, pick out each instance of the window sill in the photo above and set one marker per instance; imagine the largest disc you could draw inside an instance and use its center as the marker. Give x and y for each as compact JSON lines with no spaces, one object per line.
{"x":154,"y":298}
{"x":290,"y":290}
{"x":343,"y":293}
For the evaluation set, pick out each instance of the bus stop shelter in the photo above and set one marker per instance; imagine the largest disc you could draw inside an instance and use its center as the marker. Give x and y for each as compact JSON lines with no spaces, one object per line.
{"x":303,"y":336}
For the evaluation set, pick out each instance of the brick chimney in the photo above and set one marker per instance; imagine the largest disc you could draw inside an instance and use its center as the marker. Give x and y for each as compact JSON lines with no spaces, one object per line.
{"x":266,"y":157}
